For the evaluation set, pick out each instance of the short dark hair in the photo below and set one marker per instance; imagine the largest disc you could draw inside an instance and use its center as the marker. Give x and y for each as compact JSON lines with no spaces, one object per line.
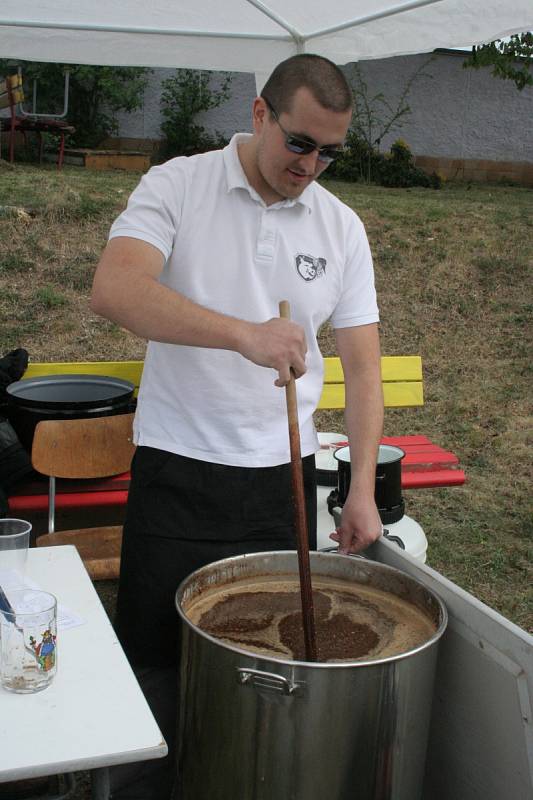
{"x":322,"y":77}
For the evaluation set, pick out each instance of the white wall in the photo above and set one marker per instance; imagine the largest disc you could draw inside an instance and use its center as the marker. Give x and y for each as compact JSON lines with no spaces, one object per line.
{"x":456,"y":112}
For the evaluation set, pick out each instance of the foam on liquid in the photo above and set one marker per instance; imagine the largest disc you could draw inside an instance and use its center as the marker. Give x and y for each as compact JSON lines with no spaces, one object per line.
{"x":353,"y":622}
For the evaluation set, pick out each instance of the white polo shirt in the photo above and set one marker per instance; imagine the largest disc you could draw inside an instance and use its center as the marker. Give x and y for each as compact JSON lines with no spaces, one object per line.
{"x":226,"y":250}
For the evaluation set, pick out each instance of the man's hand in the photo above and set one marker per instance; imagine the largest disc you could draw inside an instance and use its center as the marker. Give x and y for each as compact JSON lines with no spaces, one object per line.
{"x":279,"y":344}
{"x":360,"y":525}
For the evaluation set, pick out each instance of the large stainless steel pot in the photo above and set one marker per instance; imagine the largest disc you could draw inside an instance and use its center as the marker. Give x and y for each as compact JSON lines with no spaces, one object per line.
{"x":259,"y":728}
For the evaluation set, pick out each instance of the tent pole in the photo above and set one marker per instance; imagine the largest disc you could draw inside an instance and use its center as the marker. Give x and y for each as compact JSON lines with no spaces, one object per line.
{"x":297,"y":37}
{"x":386,"y":12}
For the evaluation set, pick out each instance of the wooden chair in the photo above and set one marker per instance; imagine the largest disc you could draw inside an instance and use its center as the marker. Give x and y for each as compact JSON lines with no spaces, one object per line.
{"x":84,"y":448}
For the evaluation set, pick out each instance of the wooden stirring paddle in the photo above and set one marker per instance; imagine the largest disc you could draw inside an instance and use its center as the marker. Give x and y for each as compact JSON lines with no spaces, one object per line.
{"x":300,"y":515}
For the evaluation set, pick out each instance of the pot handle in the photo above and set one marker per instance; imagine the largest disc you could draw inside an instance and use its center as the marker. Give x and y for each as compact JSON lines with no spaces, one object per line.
{"x":391,"y":537}
{"x":269,"y":680}
{"x":335,"y":548}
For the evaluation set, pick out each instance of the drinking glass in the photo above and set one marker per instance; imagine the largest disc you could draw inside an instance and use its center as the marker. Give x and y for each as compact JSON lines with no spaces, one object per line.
{"x":28,"y":640}
{"x":14,"y":544}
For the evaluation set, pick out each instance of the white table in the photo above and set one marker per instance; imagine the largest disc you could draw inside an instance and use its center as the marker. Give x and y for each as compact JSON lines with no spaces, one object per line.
{"x":94,"y":713}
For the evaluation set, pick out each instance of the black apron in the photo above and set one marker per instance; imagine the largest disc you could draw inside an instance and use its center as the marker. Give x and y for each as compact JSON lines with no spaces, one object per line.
{"x":183,"y":514}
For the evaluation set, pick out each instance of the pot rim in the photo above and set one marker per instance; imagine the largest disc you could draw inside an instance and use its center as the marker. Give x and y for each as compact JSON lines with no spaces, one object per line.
{"x":314,"y":555}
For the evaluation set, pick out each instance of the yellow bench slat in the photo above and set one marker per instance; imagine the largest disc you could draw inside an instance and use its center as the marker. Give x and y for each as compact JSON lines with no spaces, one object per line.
{"x":17,"y":93}
{"x":17,"y":97}
{"x":393,"y":368}
{"x":395,"y":395}
{"x":402,"y":377}
{"x":401,"y":368}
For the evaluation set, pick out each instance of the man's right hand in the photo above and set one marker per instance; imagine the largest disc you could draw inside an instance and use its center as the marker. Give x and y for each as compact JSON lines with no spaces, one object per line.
{"x":279,"y":344}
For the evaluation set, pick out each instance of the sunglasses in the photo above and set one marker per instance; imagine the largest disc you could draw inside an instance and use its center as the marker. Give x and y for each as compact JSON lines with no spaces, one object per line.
{"x":326,"y":154}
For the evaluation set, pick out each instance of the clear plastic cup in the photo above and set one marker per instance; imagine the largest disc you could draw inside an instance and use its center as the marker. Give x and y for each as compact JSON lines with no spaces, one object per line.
{"x":14,"y":544}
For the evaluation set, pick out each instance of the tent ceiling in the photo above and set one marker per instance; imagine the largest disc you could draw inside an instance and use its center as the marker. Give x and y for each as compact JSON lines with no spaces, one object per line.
{"x":247,"y":35}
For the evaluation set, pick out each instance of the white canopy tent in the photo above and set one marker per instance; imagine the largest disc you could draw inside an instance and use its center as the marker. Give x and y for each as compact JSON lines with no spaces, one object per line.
{"x":480,"y":742}
{"x":247,"y":35}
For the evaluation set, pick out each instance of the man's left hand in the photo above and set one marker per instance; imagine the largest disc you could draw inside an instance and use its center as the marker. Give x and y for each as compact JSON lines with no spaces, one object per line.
{"x":360,"y":525}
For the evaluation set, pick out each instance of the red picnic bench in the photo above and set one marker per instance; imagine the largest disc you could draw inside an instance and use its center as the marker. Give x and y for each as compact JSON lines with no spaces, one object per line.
{"x":426,"y":466}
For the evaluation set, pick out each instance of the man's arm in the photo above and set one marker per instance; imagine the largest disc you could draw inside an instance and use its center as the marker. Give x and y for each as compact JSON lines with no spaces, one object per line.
{"x":127,"y":291}
{"x":358,"y":348}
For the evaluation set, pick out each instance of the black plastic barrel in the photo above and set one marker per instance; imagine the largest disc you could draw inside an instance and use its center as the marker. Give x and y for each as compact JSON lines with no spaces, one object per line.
{"x":65,"y":397}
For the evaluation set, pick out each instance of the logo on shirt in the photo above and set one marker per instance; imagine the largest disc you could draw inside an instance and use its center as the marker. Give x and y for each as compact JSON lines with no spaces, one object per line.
{"x":309,"y":267}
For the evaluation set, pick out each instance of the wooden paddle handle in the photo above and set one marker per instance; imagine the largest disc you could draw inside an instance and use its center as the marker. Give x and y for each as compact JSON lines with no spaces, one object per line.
{"x":300,"y":515}
{"x":290,"y":389}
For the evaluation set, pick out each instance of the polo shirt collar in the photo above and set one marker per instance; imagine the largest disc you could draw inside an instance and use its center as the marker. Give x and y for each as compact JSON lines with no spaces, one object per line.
{"x":236,"y":178}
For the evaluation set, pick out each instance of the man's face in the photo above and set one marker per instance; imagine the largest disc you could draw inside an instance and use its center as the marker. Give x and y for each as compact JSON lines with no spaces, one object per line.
{"x":287,"y":174}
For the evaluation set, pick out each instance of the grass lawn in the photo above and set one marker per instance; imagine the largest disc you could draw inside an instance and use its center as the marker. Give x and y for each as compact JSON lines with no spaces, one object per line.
{"x":453,"y":272}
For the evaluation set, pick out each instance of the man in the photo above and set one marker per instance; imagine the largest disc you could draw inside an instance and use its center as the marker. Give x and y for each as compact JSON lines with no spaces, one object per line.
{"x":197,"y":264}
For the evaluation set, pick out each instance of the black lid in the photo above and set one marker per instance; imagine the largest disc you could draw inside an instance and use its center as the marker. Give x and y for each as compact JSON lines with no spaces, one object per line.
{"x":69,"y":391}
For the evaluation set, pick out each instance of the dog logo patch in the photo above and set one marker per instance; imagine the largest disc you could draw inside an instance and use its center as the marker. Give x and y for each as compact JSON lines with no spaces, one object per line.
{"x":309,"y":267}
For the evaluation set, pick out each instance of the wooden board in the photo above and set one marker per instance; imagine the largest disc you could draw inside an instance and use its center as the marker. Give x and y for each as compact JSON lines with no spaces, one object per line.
{"x":99,"y":548}
{"x":83,"y":448}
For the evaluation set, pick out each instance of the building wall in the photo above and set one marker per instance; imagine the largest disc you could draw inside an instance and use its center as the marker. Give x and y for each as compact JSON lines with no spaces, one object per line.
{"x":456,"y":113}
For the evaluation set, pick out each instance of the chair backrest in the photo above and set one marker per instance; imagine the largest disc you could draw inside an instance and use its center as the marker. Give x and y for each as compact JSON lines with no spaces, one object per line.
{"x":83,"y":448}
{"x":11,"y":92}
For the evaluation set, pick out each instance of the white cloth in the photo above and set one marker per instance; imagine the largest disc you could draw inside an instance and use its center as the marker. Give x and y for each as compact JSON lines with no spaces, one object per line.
{"x":226,"y":250}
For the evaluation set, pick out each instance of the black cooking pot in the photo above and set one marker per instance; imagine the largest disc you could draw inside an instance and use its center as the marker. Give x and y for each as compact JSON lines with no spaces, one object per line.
{"x":388,"y":491}
{"x":65,"y":397}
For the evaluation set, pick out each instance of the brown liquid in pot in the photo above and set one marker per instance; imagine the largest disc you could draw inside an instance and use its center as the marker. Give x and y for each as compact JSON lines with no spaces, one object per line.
{"x":352,"y":621}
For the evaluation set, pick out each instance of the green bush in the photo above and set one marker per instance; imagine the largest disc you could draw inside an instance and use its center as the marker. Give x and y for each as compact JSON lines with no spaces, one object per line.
{"x":510,"y":59}
{"x":398,"y":169}
{"x":360,"y":161}
{"x":187,"y":93}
